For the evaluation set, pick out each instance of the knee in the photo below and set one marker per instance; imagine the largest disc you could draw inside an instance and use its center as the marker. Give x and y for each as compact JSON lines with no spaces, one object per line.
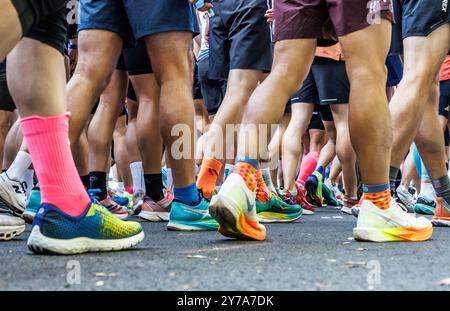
{"x":98,"y":74}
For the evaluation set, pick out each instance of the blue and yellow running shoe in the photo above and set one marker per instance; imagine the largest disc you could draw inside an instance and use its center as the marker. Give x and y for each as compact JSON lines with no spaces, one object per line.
{"x":275,"y":210}
{"x":96,"y":230}
{"x":425,"y":205}
{"x":313,"y":187}
{"x":32,"y":206}
{"x":185,"y":217}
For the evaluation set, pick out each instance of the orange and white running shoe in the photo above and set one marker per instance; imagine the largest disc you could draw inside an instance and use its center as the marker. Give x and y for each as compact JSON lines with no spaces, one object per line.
{"x":392,"y":224}
{"x":234,"y":208}
{"x":441,"y":216}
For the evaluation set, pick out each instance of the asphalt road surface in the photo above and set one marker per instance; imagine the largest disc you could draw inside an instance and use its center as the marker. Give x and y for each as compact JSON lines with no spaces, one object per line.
{"x":315,"y":253}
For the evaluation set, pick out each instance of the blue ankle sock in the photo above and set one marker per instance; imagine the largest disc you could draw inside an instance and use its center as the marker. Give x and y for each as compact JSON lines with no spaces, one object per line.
{"x":320,"y":170}
{"x":188,"y":195}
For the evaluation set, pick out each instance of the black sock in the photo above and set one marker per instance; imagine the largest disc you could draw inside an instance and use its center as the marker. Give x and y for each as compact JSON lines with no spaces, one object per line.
{"x":86,"y":180}
{"x":442,"y":188}
{"x":154,"y":186}
{"x":98,"y":181}
{"x":393,"y":173}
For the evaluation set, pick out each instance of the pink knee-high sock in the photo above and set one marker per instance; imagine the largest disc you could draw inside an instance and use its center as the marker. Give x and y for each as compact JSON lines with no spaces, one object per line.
{"x":308,"y":166}
{"x":60,"y":184}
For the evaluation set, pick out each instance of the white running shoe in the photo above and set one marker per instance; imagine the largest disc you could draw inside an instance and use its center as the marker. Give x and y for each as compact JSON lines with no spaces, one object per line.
{"x":392,"y":224}
{"x":405,"y":198}
{"x":10,"y":227}
{"x":13,"y":193}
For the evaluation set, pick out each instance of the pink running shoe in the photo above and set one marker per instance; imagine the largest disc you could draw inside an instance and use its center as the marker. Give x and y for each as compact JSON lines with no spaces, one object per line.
{"x":157,"y":211}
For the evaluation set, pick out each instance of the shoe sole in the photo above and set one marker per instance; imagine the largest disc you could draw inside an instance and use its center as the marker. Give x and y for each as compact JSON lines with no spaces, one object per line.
{"x":307,"y":212}
{"x":424,"y":210}
{"x":10,"y":201}
{"x":40,"y":244}
{"x":154,"y":216}
{"x":28,"y":217}
{"x":392,"y":234}
{"x":176,"y":225}
{"x":440,"y":222}
{"x":230,"y":225}
{"x":9,"y":232}
{"x":265,"y":217}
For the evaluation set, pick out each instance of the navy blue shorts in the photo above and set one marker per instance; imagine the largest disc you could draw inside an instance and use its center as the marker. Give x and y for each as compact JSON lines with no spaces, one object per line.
{"x":397,"y":38}
{"x":327,"y":83}
{"x":136,"y":60}
{"x":444,"y":98}
{"x":239,"y":37}
{"x":395,"y":70}
{"x":135,"y":19}
{"x":316,"y":120}
{"x":421,"y":17}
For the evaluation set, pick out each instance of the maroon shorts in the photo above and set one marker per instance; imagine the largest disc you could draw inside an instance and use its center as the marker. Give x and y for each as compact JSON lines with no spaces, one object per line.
{"x":306,"y":19}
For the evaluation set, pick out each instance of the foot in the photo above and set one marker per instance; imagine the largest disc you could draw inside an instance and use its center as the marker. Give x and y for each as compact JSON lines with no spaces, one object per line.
{"x":32,"y":206}
{"x":392,"y":224}
{"x":234,"y":208}
{"x":13,"y":194}
{"x":157,"y":211}
{"x":10,"y":227}
{"x":313,"y":187}
{"x":299,"y":199}
{"x":328,"y":196}
{"x":425,"y":205}
{"x":405,"y":199}
{"x":184,"y":217}
{"x":96,"y":230}
{"x":350,"y":205}
{"x":441,"y":216}
{"x":138,"y":200}
{"x":118,"y":210}
{"x":275,"y":210}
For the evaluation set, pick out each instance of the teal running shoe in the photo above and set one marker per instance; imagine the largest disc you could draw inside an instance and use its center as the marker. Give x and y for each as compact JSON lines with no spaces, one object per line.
{"x":121,"y":200}
{"x":328,"y":196}
{"x":32,"y":206}
{"x":313,"y":188}
{"x":96,"y":230}
{"x":275,"y":210}
{"x":185,"y":217}
{"x":425,"y":205}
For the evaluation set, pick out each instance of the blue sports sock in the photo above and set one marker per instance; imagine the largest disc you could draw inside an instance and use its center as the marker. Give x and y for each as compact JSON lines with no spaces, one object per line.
{"x":188,"y":195}
{"x":320,"y":170}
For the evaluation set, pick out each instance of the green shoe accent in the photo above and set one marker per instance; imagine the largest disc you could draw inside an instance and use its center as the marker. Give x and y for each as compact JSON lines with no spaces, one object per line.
{"x":328,"y":196}
{"x":276,"y":210}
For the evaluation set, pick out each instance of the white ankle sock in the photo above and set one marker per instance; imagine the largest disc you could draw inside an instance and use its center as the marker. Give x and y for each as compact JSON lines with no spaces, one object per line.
{"x":19,"y":166}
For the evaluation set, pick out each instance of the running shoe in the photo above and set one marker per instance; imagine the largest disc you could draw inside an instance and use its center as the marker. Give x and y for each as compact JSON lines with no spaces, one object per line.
{"x":441,"y":217}
{"x":121,"y":200}
{"x":184,"y":217}
{"x":328,"y":196}
{"x":234,"y":207}
{"x":94,"y":231}
{"x":138,"y":200}
{"x":425,"y":205}
{"x":405,"y":199}
{"x":275,"y":210}
{"x":392,"y":224}
{"x":350,"y":206}
{"x":118,"y":210}
{"x":299,"y":199}
{"x":338,"y":194}
{"x":129,"y":196}
{"x":13,"y":194}
{"x":157,"y":211}
{"x":32,"y":207}
{"x":10,"y":227}
{"x":313,"y":187}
